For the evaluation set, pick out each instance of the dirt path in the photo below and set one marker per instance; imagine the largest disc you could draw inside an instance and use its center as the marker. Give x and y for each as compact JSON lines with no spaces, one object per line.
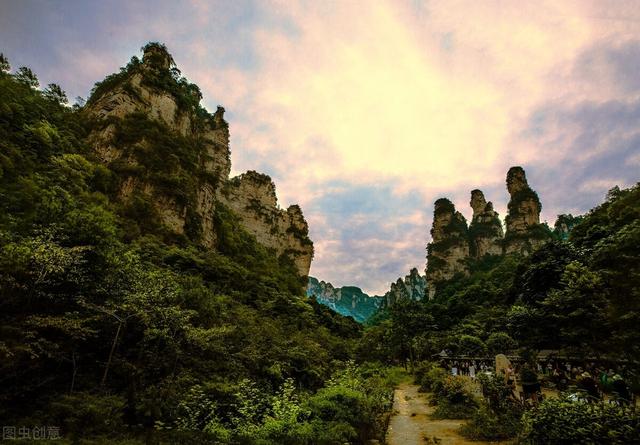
{"x":411,"y":424}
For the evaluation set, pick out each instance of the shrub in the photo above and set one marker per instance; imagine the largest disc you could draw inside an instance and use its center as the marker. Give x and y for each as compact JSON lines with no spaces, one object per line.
{"x":485,"y":424}
{"x":430,"y":376}
{"x":453,"y":399}
{"x":499,"y":415}
{"x":87,"y":414}
{"x":565,"y":421}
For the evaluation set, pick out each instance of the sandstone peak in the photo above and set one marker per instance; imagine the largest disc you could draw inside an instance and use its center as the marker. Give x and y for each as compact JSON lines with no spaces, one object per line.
{"x":160,"y":112}
{"x":485,"y":230}
{"x":478,"y":202}
{"x":449,"y":249}
{"x":156,"y":55}
{"x":453,"y":244}
{"x":516,"y":180}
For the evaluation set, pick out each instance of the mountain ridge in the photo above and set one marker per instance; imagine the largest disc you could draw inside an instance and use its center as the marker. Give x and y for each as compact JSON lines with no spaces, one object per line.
{"x":353,"y":302}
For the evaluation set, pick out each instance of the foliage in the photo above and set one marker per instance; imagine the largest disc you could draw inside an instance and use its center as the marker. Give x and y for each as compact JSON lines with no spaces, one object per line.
{"x":429,"y":376}
{"x":27,"y":77}
{"x":499,"y":414}
{"x":565,"y":421}
{"x":500,"y":343}
{"x":106,"y":321}
{"x":453,"y":399}
{"x":485,"y":424}
{"x":5,"y":67}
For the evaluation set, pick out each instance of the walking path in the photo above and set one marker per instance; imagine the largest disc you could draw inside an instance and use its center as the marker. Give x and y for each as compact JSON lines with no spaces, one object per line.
{"x":411,"y":423}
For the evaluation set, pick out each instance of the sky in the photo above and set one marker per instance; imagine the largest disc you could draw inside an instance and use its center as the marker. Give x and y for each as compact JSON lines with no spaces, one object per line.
{"x":366,"y":112}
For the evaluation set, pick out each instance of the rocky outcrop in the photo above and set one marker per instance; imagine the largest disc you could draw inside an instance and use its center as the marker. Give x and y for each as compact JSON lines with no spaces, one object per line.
{"x":411,"y":288}
{"x":349,"y":301}
{"x":454,"y":247}
{"x":485,"y":230}
{"x":173,"y":154}
{"x":524,"y":231}
{"x":252,"y":197}
{"x":448,"y":251}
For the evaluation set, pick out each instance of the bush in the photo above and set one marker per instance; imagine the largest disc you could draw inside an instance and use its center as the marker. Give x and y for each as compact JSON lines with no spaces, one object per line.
{"x":87,"y":414}
{"x":566,"y":421}
{"x":429,"y":376}
{"x":453,"y":399}
{"x":485,"y":424}
{"x":499,"y":415}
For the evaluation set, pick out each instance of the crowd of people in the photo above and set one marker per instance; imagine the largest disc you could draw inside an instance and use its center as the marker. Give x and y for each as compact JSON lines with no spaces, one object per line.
{"x":590,"y":380}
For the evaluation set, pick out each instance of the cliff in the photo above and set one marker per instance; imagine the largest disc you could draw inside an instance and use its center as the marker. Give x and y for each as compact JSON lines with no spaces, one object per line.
{"x":173,"y":159}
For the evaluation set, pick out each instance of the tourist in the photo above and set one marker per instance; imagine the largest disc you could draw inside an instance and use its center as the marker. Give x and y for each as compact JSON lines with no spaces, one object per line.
{"x":588,"y":384}
{"x":619,"y":386}
{"x":530,"y":383}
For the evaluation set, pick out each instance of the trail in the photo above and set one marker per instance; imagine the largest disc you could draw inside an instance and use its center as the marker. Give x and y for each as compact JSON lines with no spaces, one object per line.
{"x":411,"y":423}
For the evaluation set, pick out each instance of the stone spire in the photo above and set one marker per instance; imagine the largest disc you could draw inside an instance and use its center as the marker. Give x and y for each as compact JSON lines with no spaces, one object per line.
{"x":156,"y":55}
{"x":449,"y":249}
{"x":485,"y":231}
{"x":524,"y":231}
{"x":477,"y":203}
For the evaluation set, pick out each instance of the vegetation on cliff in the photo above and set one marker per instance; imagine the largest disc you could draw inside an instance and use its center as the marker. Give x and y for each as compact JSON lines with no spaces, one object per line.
{"x":111,"y":328}
{"x":579,"y":296}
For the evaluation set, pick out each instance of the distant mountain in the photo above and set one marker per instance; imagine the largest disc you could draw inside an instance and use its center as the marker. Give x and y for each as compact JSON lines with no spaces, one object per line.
{"x":412,"y":287}
{"x":347,"y":300}
{"x":352,"y":301}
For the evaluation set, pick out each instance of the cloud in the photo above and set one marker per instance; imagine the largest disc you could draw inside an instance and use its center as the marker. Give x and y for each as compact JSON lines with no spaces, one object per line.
{"x":366,"y":115}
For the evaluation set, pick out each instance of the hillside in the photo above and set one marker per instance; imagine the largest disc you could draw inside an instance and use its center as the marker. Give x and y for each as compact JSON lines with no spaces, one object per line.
{"x":143,"y":292}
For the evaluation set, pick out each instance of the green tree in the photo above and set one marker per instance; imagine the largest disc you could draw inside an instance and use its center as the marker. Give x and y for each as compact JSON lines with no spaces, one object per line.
{"x":5,"y":67}
{"x":26,"y":76}
{"x":55,"y":93}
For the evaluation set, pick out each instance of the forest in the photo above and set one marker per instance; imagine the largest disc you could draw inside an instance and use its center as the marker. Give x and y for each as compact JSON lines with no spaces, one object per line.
{"x":114,"y":331}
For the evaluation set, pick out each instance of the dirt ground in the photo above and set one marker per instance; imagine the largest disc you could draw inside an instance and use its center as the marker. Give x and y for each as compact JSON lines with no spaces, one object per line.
{"x":411,"y":423}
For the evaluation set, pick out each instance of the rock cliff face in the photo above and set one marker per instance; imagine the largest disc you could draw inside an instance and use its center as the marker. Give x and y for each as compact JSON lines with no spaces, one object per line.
{"x":524,"y":231}
{"x":453,"y":246}
{"x":252,"y":196}
{"x":349,"y":301}
{"x":176,"y":155}
{"x":412,"y":287}
{"x":448,"y":251}
{"x":485,"y":230}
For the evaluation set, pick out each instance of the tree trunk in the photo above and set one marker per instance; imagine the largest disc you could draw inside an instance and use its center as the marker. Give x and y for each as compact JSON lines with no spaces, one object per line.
{"x":113,"y":348}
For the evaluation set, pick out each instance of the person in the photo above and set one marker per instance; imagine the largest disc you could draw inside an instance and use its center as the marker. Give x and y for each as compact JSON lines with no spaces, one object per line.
{"x":530,"y":383}
{"x":561,"y":379}
{"x":588,"y":384}
{"x":454,"y":368}
{"x":472,"y":370}
{"x":620,"y":386}
{"x":604,"y":379}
